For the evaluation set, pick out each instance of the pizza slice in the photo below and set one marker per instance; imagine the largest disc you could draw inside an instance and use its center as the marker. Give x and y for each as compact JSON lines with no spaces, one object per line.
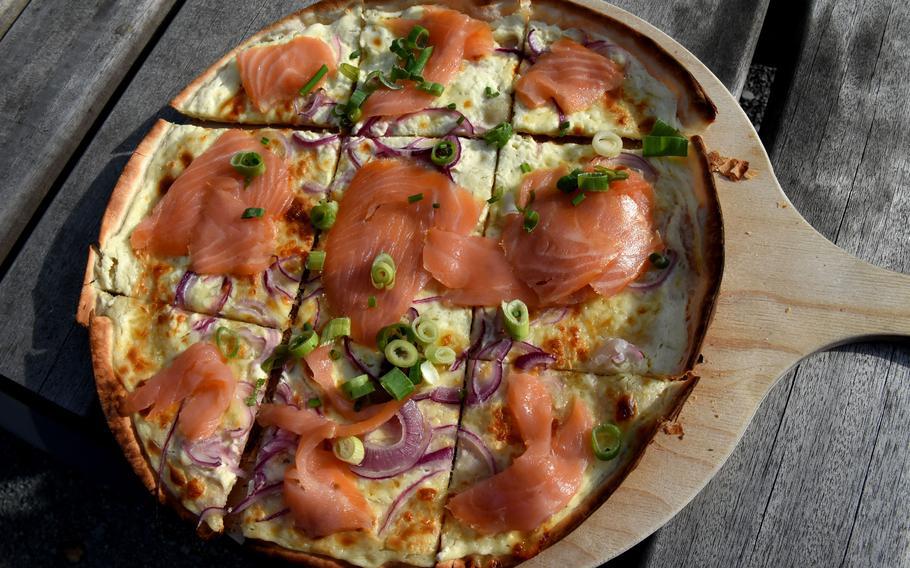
{"x":582,"y":75}
{"x":615,"y":261}
{"x":293,"y":72}
{"x":539,"y":452}
{"x":428,"y":70}
{"x":179,"y":391}
{"x":214,"y":221}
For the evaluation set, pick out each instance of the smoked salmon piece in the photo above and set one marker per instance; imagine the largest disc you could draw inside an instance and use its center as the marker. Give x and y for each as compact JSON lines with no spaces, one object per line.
{"x":274,"y":74}
{"x":375,"y":216}
{"x":455,"y":37}
{"x":473,"y":269}
{"x":542,"y":480}
{"x":569,"y":74}
{"x":201,"y":379}
{"x":200,"y":215}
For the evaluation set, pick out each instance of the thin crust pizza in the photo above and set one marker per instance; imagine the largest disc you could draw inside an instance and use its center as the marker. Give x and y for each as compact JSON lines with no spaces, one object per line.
{"x":443,"y":329}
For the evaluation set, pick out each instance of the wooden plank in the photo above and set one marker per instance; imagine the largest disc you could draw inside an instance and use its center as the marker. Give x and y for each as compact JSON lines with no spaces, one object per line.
{"x":722,"y":34}
{"x":59,"y":64}
{"x":42,"y":347}
{"x":9,"y":11}
{"x":832,"y":484}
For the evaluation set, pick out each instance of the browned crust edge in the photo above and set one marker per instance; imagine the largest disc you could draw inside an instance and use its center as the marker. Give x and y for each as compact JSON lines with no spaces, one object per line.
{"x":699,"y":110}
{"x":593,"y":501}
{"x":89,"y":295}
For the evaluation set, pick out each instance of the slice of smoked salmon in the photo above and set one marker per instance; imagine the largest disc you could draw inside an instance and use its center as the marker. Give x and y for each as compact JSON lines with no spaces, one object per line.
{"x":273,"y":74}
{"x":473,"y":269}
{"x":574,"y":246}
{"x":199,"y":213}
{"x":544,"y":478}
{"x":200,"y":378}
{"x":455,"y":37}
{"x":571,"y":75}
{"x":375,"y":216}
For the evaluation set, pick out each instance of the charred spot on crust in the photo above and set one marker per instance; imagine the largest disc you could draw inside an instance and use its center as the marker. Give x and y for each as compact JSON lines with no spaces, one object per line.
{"x":234,"y":106}
{"x":176,"y":476}
{"x":185,"y":158}
{"x":626,"y":408}
{"x":194,"y":489}
{"x":503,"y":426}
{"x":426,"y":494}
{"x":165,"y":183}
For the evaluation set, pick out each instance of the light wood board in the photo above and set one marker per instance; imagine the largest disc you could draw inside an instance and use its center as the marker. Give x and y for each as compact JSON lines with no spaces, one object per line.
{"x":787,"y":292}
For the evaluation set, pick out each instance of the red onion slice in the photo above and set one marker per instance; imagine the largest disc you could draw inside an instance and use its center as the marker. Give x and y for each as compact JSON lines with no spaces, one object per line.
{"x":465,"y":127}
{"x":524,"y":347}
{"x":635,"y":162}
{"x":206,"y":512}
{"x":535,"y":44}
{"x":403,"y":496}
{"x":299,"y":139}
{"x":446,"y":454}
{"x":257,"y":495}
{"x":382,"y":462}
{"x":615,"y":352}
{"x":202,"y":454}
{"x":442,"y":395}
{"x":512,"y":50}
{"x":497,"y":350}
{"x":187,"y":280}
{"x":313,"y":103}
{"x":271,"y":287}
{"x":279,"y":262}
{"x":275,"y":515}
{"x":204,"y":325}
{"x":427,"y":300}
{"x":475,"y":442}
{"x":655,"y":277}
{"x":552,"y":316}
{"x":480,"y":393}
{"x":162,"y":459}
{"x":361,"y":366}
{"x":257,"y":311}
{"x":532,"y":360}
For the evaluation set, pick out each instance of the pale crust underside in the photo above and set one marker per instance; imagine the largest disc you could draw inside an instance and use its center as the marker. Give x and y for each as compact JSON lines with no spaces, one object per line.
{"x":696,"y":110}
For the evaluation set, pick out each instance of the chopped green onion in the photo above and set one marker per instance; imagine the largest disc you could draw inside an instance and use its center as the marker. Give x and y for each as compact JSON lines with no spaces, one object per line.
{"x":279,"y":354}
{"x":516,"y":319}
{"x":440,"y":355}
{"x":606,"y":441}
{"x":451,"y":106}
{"x":323,"y":215}
{"x":358,"y":387}
{"x":392,"y":332}
{"x":578,"y":199}
{"x":429,"y":373}
{"x":564,"y":128}
{"x":443,"y":153}
{"x":489,"y":93}
{"x":354,"y":54}
{"x":416,"y":66}
{"x":607,"y":143}
{"x":414,"y":374}
{"x":338,"y":327}
{"x":594,"y":181}
{"x":264,"y":141}
{"x":415,"y":198}
{"x":354,"y":115}
{"x":349,"y":71}
{"x":435,"y":89}
{"x":314,"y":80}
{"x":254,"y":396}
{"x":371,"y":302}
{"x":357,"y":98}
{"x":334,"y":354}
{"x":532,"y":218}
{"x":382,"y":273}
{"x":569,"y":183}
{"x":228,"y":342}
{"x":316,"y":260}
{"x":401,"y":353}
{"x":459,"y":120}
{"x":314,"y":402}
{"x":498,"y":135}
{"x":349,"y":450}
{"x":397,"y":384}
{"x":664,"y":146}
{"x":307,"y":326}
{"x":252,"y":212}
{"x":661,"y":128}
{"x":248,"y":164}
{"x":425,"y":330}
{"x":399,"y":73}
{"x":418,"y":37}
{"x":496,"y":196}
{"x":526,"y":168}
{"x":399,"y":47}
{"x":659,"y":260}
{"x":303,"y":344}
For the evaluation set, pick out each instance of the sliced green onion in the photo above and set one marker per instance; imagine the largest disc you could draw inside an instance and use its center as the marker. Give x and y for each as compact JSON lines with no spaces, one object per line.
{"x":435,"y":89}
{"x":415,"y":198}
{"x":440,"y":355}
{"x":489,"y":93}
{"x":279,"y":354}
{"x":418,"y":37}
{"x":532,"y":218}
{"x":357,"y":98}
{"x":314,"y":402}
{"x":354,"y":115}
{"x":323,"y":215}
{"x":526,"y":168}
{"x":659,"y":260}
{"x":498,"y":135}
{"x":516,"y":319}
{"x":451,"y":106}
{"x":227,"y":341}
{"x":254,"y":396}
{"x":594,"y":181}
{"x":564,"y":128}
{"x":416,"y":66}
{"x":429,"y":373}
{"x":399,"y":47}
{"x":661,"y":128}
{"x":496,"y":196}
{"x":248,"y":164}
{"x":334,"y":354}
{"x":578,"y":199}
{"x":354,"y":55}
{"x":358,"y":387}
{"x":338,"y":327}
{"x":349,"y":450}
{"x":392,"y":332}
{"x":443,"y":153}
{"x":401,"y":353}
{"x":316,"y":260}
{"x":607,"y":143}
{"x":303,"y":344}
{"x":569,"y":183}
{"x":264,"y":141}
{"x":399,"y":73}
{"x":414,"y":374}
{"x":606,"y":441}
{"x":383,"y":80}
{"x":425,"y":330}
{"x":382,"y":273}
{"x":664,"y":146}
{"x":371,"y":302}
{"x":397,"y":384}
{"x":314,"y":80}
{"x":349,"y":71}
{"x":252,"y":212}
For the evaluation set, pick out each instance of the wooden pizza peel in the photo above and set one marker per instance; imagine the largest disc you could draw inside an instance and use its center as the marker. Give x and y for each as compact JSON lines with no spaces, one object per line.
{"x":787,"y":292}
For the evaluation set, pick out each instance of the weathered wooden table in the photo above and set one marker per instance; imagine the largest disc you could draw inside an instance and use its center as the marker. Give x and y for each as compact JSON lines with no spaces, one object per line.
{"x":820,"y":477}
